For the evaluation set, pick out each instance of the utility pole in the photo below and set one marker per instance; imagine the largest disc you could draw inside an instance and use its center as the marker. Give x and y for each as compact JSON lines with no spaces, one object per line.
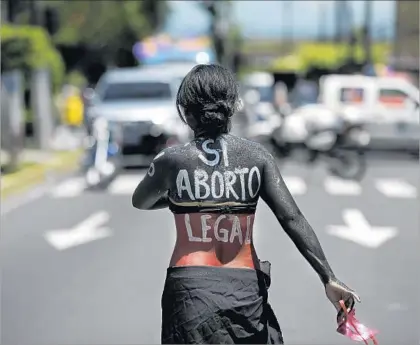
{"x":225,"y":32}
{"x":338,"y":20}
{"x":322,"y":31}
{"x":367,"y":32}
{"x":33,"y":12}
{"x":154,"y":10}
{"x":215,"y":32}
{"x":350,"y":33}
{"x":12,"y":9}
{"x":288,"y":24}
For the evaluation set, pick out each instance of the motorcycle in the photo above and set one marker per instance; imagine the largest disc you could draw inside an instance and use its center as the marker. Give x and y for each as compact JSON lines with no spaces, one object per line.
{"x":346,"y":154}
{"x":342,"y":141}
{"x":102,"y":160}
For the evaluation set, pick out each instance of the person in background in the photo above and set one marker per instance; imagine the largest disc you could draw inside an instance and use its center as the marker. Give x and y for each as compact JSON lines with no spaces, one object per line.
{"x":73,"y":109}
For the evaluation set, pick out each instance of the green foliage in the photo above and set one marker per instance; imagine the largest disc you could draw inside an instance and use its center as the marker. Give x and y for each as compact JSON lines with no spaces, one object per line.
{"x":327,"y":55}
{"x":290,"y":63}
{"x":76,"y":78}
{"x":244,"y":70}
{"x":235,"y":37}
{"x":381,"y":52}
{"x":28,"y":48}
{"x":265,"y":46}
{"x":332,"y":55}
{"x":322,"y":54}
{"x":109,"y":25}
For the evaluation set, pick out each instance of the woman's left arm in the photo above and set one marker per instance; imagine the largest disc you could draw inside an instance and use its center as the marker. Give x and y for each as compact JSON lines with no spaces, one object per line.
{"x":152,"y":191}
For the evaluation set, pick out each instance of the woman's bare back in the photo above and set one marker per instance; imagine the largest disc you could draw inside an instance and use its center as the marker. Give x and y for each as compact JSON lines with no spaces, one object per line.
{"x":214,"y":240}
{"x":213,"y":194}
{"x":224,"y":176}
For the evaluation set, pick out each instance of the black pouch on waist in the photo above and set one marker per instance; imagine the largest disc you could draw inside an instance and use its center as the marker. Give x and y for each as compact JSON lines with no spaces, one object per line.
{"x":265,"y":267}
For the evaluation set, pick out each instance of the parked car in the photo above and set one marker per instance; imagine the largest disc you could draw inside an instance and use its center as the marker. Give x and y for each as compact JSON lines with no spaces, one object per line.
{"x":390,"y":107}
{"x":139,"y":103}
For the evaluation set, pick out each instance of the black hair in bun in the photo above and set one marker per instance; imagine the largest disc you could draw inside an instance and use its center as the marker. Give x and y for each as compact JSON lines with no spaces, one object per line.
{"x":210,"y":95}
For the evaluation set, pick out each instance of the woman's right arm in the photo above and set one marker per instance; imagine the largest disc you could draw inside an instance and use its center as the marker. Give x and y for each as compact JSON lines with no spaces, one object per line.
{"x":163,"y":202}
{"x":277,"y":196}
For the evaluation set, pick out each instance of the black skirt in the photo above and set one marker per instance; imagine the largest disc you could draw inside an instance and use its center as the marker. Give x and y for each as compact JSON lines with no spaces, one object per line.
{"x":214,"y":305}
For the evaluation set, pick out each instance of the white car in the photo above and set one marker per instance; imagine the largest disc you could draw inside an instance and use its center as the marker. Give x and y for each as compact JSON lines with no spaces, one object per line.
{"x":139,"y":103}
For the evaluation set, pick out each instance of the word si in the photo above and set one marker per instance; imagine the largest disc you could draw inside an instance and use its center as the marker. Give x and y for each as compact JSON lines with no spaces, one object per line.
{"x":220,"y":234}
{"x":218,"y":184}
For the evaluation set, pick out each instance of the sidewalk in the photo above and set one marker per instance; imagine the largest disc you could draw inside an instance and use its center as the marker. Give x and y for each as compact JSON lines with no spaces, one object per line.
{"x":37,"y":166}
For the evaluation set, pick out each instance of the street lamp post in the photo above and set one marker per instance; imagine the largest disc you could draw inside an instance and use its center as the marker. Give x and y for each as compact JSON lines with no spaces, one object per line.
{"x":288,"y":23}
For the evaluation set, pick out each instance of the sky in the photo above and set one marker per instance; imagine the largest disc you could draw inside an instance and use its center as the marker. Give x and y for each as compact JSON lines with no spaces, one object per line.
{"x":264,"y":19}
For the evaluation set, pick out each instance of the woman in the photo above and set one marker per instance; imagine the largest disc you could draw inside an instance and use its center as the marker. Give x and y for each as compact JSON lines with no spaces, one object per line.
{"x":216,"y":287}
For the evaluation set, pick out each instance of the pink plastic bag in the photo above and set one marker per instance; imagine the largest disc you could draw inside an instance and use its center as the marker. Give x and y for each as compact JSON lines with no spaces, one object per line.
{"x":353,"y":329}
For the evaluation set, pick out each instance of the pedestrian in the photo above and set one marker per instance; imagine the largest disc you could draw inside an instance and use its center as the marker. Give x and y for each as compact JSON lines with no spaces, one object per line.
{"x":216,"y":287}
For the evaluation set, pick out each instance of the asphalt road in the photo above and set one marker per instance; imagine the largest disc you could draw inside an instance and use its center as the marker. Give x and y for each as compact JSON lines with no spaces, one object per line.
{"x":104,"y":286}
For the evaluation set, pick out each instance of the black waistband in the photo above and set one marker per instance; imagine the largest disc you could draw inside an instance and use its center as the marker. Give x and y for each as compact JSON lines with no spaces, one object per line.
{"x":203,"y":271}
{"x":244,"y":209}
{"x":250,"y":274}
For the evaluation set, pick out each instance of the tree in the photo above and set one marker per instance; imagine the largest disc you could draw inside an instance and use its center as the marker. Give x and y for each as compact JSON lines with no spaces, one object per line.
{"x":110,"y":26}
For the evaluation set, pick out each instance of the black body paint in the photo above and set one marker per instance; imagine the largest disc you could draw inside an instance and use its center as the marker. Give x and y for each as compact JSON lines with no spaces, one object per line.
{"x":238,"y":155}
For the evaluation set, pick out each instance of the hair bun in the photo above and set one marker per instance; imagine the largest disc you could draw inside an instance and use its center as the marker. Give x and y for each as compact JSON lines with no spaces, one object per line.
{"x":216,"y":113}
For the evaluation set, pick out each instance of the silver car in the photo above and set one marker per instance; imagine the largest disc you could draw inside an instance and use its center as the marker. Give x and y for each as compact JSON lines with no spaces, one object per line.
{"x":139,"y":103}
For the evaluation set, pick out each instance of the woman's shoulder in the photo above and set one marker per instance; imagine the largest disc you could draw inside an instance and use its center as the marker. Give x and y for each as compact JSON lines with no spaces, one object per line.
{"x":253,"y":147}
{"x":173,"y":153}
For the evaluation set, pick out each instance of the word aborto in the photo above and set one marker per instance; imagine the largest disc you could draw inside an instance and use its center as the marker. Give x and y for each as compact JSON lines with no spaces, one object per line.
{"x":237,"y":183}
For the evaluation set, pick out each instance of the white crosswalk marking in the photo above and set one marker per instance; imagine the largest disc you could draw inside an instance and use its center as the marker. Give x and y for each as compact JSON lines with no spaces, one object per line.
{"x":125,"y":184}
{"x":336,"y":186}
{"x":296,"y":185}
{"x":396,"y":188}
{"x":69,"y":188}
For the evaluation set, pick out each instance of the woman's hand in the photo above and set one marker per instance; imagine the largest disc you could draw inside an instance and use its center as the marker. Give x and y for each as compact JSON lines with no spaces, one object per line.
{"x":337,"y":291}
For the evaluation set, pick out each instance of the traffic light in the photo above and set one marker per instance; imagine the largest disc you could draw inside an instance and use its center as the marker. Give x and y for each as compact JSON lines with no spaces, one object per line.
{"x":51,"y":20}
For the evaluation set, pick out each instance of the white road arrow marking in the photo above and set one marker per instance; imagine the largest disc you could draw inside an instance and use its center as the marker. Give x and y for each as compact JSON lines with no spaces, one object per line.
{"x":396,"y":188}
{"x":358,"y":230}
{"x":89,"y":230}
{"x":69,"y":188}
{"x":336,"y":186}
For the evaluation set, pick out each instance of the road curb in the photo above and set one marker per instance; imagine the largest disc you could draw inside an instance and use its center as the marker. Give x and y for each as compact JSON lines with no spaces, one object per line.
{"x":32,"y":176}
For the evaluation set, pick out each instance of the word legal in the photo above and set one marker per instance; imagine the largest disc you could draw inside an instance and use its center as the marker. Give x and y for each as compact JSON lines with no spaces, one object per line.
{"x":220,"y":234}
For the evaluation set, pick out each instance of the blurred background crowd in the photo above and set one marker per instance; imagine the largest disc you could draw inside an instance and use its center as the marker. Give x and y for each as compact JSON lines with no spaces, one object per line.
{"x":87,"y":92}
{"x":54,"y":54}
